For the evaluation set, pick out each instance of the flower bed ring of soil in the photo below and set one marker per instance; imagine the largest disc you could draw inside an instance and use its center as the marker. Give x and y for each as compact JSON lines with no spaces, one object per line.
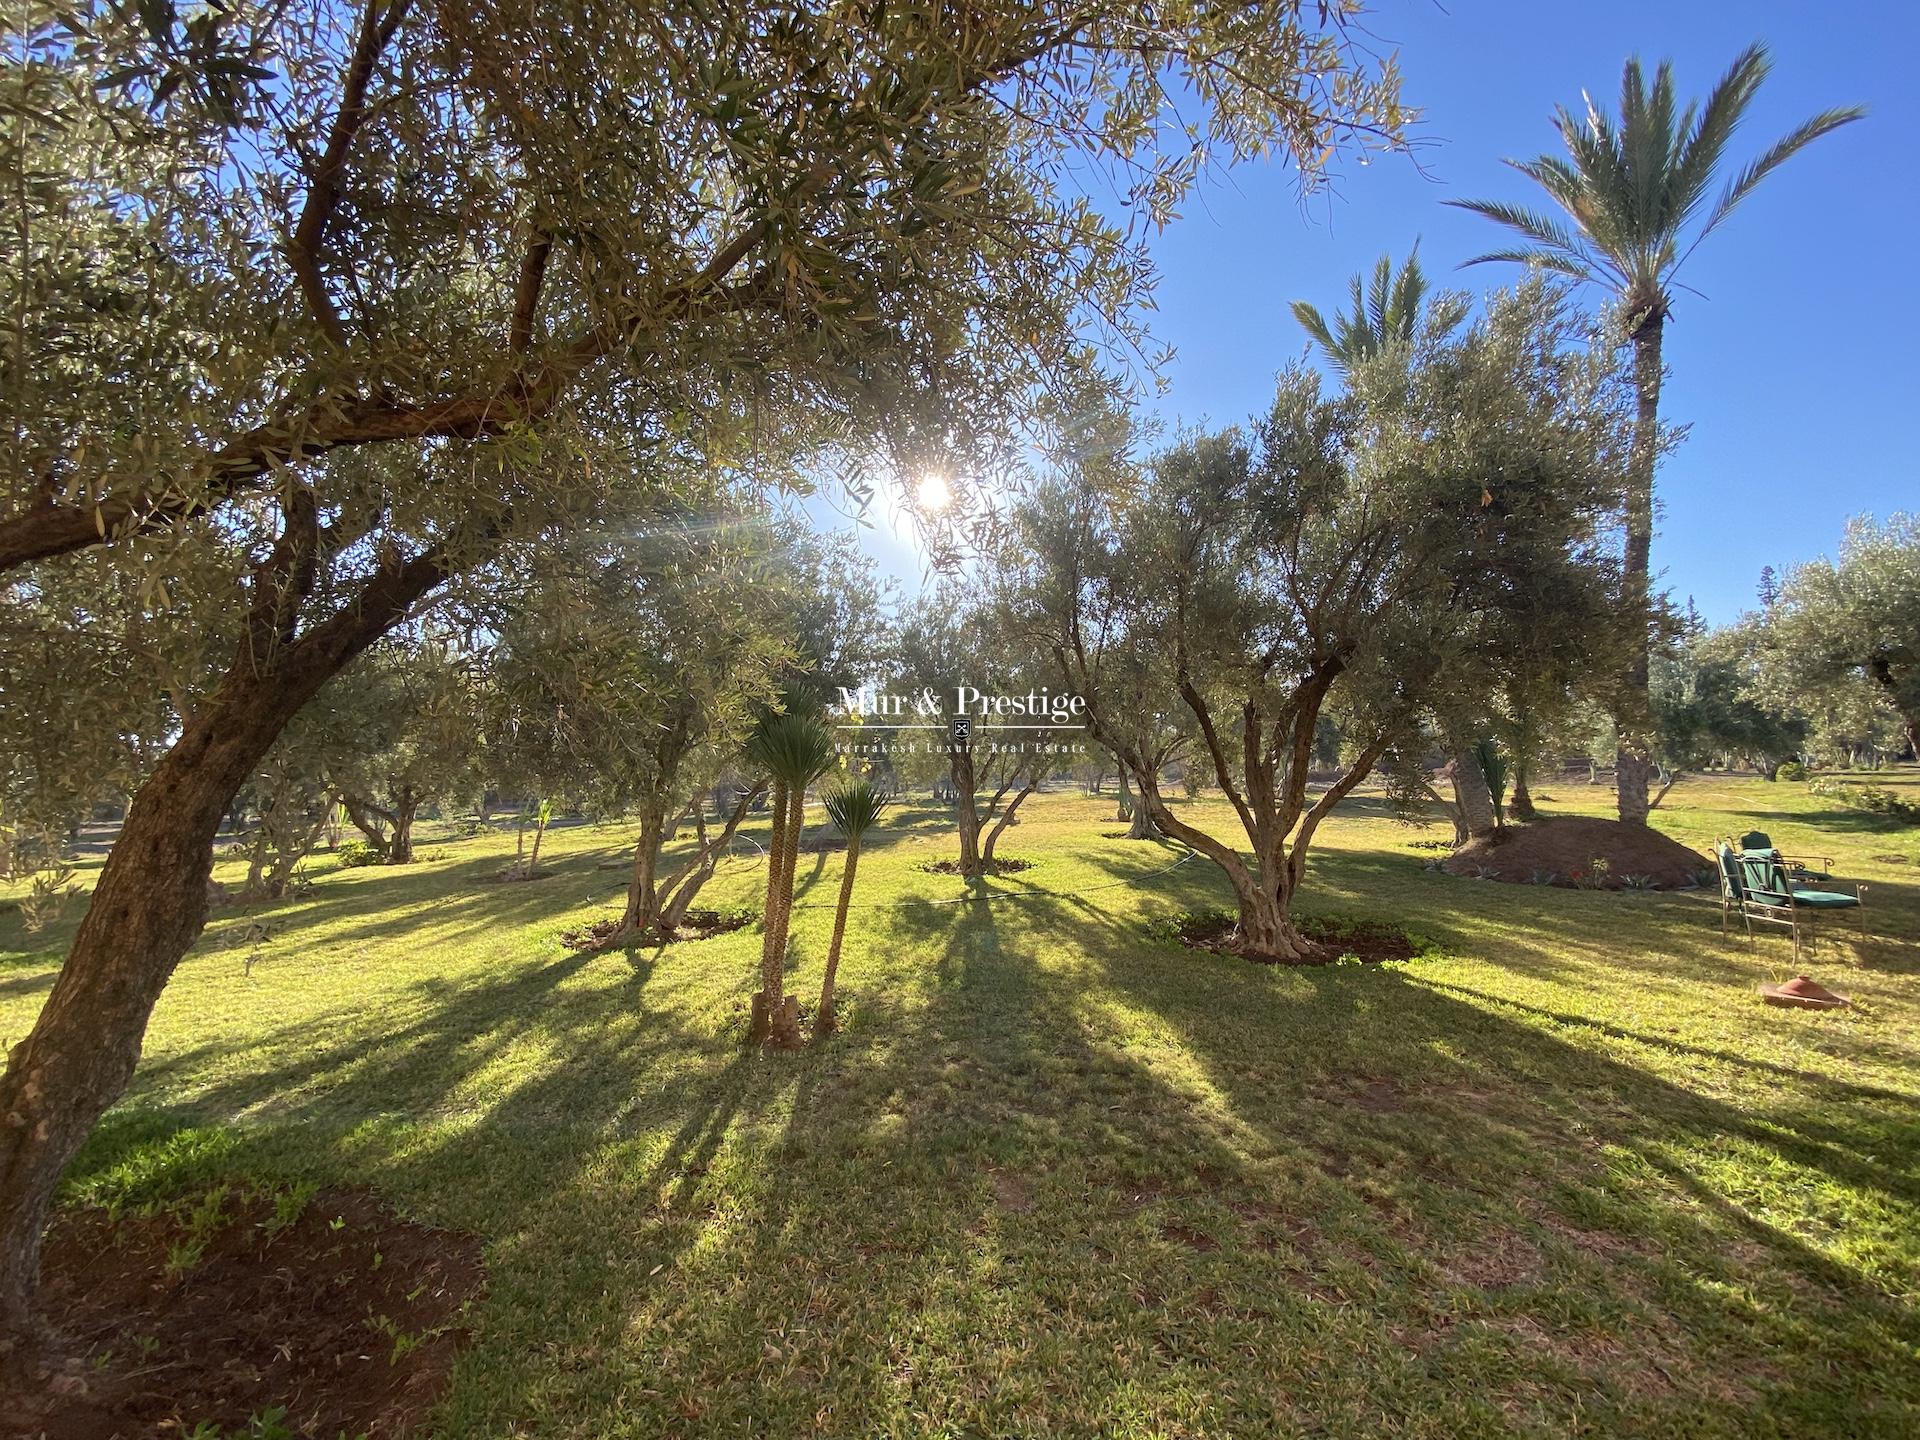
{"x":995,"y":866}
{"x":1334,"y":941}
{"x":695,"y":925}
{"x":342,"y":1315}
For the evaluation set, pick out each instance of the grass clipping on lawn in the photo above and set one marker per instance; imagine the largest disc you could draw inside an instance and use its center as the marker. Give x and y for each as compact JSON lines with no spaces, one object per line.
{"x":1581,"y":851}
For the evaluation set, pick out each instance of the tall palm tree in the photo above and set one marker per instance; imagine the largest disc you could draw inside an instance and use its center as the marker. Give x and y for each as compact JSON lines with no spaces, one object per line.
{"x":1638,"y":196}
{"x":854,"y":807}
{"x":794,"y":750}
{"x":1386,"y":311}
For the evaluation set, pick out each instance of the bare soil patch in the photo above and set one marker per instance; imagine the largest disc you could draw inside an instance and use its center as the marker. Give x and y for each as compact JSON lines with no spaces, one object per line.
{"x":995,"y":866}
{"x":514,"y":874}
{"x":1582,"y":852}
{"x":1496,"y":1259}
{"x":1331,"y":940}
{"x":344,"y":1317}
{"x":698,"y":925}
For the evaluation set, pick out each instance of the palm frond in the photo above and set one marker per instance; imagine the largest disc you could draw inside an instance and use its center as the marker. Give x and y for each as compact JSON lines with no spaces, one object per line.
{"x":792,"y":748}
{"x":855,"y":807}
{"x":1378,"y":294}
{"x":1781,"y":151}
{"x":1314,"y":323}
{"x":1540,"y":229}
{"x":1701,"y":151}
{"x":1633,"y":186}
{"x":1553,"y":260}
{"x":1384,"y":310}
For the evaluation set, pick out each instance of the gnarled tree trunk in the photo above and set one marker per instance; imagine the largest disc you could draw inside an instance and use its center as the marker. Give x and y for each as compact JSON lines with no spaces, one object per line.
{"x":405,"y":804}
{"x":150,"y":902}
{"x":643,"y":902}
{"x":1000,"y":825}
{"x":679,"y":893}
{"x":369,"y":819}
{"x":1471,"y":794}
{"x":960,"y":767}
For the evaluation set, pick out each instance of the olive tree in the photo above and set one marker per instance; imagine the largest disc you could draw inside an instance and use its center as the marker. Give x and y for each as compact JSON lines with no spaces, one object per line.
{"x":1855,"y":621}
{"x":339,"y":299}
{"x":983,"y":720}
{"x":1706,"y":709}
{"x":1333,"y":559}
{"x":632,"y":670}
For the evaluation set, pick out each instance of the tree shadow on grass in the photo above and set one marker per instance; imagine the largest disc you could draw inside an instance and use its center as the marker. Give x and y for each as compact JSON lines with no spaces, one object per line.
{"x":1059,"y":1178}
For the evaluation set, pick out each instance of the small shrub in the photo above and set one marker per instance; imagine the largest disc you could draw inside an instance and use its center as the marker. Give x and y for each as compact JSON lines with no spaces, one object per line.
{"x":1874,"y":799}
{"x":1544,"y":877}
{"x":356,"y":853}
{"x":1597,"y":876}
{"x":1791,"y":770}
{"x":1637,"y":882}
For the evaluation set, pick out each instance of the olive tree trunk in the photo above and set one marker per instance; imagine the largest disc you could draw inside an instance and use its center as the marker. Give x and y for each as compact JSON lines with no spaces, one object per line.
{"x":679,"y":893}
{"x":643,"y":900}
{"x":960,"y":767}
{"x":405,"y":804}
{"x":1472,"y":794}
{"x":150,"y":902}
{"x":1006,"y":819}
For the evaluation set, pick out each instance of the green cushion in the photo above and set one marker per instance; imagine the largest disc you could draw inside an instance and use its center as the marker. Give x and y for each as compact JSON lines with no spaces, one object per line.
{"x":1729,"y":872}
{"x":1825,"y":899}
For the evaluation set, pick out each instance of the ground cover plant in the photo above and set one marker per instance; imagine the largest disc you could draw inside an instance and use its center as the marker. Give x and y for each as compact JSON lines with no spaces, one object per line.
{"x":1057,"y":1175}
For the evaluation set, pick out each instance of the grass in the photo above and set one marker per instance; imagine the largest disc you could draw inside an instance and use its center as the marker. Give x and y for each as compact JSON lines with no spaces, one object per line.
{"x":1563,"y":1175}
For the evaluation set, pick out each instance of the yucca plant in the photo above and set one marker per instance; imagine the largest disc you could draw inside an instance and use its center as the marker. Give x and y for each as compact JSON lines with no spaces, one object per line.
{"x":1637,"y":196}
{"x":853,"y":807}
{"x":793,"y":750}
{"x":1494,"y":765}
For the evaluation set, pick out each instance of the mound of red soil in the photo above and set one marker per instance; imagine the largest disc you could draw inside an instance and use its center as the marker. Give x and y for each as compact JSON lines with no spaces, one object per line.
{"x":1564,"y":851}
{"x":345,"y":1317}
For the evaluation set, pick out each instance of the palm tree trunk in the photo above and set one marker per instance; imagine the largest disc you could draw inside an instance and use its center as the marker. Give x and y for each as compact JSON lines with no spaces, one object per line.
{"x":1633,"y":765}
{"x":771,"y":959}
{"x":825,"y":1021}
{"x":784,"y":1016}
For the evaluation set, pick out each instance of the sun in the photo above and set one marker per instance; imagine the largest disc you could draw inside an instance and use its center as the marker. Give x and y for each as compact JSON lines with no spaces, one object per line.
{"x":933,"y":494}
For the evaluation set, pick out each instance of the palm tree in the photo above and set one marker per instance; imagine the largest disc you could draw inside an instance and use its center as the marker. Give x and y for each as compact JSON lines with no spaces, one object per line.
{"x":854,"y":807}
{"x":1386,"y":311}
{"x":793,"y":749}
{"x":1638,"y":201}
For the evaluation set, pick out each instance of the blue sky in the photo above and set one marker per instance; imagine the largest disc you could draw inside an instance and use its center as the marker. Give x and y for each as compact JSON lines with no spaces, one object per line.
{"x":1796,"y":367}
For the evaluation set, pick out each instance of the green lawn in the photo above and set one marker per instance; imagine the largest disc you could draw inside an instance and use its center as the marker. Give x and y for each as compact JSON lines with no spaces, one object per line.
{"x":1566,"y":1175}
